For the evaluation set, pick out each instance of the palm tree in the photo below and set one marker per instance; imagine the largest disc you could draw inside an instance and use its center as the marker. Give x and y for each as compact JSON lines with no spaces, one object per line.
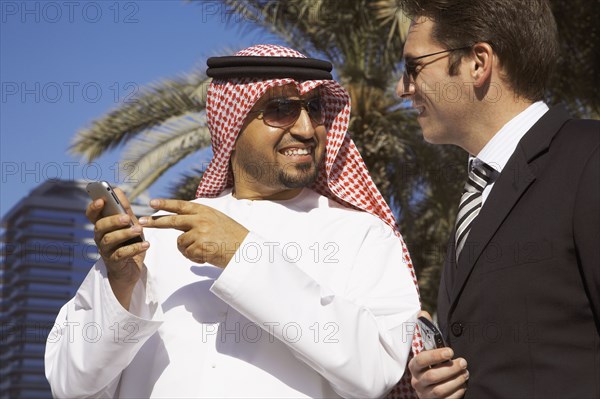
{"x":161,"y":126}
{"x":363,"y":39}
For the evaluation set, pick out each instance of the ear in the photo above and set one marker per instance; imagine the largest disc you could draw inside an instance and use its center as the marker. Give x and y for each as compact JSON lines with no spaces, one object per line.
{"x":481,"y":69}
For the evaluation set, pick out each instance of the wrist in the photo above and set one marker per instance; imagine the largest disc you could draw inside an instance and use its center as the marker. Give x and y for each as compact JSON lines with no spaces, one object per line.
{"x":122,"y":289}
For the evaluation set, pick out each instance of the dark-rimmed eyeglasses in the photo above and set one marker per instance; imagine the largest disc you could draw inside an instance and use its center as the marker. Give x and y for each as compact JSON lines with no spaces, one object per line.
{"x":283,"y":112}
{"x":412,"y":69}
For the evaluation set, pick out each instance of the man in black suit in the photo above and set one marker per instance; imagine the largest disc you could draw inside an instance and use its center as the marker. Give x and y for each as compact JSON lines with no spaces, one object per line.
{"x":519,"y":298}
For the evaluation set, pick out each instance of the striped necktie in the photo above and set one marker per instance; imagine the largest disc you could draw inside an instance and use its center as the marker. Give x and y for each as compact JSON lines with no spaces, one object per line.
{"x":480,"y":176}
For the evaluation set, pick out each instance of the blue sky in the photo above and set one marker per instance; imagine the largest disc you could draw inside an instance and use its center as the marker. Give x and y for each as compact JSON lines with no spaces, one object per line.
{"x":65,"y":63}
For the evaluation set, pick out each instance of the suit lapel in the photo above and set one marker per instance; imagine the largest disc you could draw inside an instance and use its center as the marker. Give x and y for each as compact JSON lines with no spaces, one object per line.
{"x":514,"y":180}
{"x":507,"y":190}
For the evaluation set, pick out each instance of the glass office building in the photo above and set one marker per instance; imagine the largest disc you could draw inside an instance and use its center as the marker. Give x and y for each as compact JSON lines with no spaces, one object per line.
{"x":46,"y":250}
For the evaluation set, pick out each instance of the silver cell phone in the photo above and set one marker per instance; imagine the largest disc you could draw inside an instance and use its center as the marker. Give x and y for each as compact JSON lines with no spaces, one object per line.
{"x":112,"y":205}
{"x":432,"y":336}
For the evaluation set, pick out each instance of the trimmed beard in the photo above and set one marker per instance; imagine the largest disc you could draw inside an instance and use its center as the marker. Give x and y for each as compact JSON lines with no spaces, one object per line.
{"x":307,"y":175}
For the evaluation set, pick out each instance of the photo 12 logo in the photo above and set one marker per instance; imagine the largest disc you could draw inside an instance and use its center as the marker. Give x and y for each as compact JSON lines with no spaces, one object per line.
{"x":67,"y":92}
{"x":37,"y":172}
{"x":53,"y":12}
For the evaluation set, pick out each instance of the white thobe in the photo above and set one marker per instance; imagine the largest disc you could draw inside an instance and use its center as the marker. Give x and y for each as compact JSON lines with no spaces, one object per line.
{"x":316,"y":302}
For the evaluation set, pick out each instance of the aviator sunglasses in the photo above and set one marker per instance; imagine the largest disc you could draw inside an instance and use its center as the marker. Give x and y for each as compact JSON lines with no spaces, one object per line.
{"x":283,"y":112}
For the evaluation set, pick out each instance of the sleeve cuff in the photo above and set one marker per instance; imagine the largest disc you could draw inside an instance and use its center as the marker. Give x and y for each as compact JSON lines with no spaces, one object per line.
{"x":239,"y":267}
{"x":96,"y":289}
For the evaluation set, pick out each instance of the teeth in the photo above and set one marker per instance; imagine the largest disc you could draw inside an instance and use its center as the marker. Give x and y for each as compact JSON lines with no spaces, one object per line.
{"x":297,"y":151}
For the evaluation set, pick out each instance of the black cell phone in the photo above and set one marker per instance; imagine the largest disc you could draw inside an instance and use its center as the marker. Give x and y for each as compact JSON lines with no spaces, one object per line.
{"x":112,"y":205}
{"x":432,"y":336}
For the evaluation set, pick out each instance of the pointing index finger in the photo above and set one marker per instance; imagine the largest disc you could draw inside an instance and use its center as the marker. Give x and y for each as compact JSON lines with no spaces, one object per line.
{"x":174,"y":221}
{"x":180,"y":214}
{"x":176,"y":206}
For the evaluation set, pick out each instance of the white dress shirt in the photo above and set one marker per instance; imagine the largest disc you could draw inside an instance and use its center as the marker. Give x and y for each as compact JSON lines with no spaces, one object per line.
{"x":316,"y":302}
{"x":502,"y":145}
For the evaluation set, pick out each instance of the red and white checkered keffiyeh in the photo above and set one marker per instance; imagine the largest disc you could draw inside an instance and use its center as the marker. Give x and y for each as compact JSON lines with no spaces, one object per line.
{"x":344,"y":177}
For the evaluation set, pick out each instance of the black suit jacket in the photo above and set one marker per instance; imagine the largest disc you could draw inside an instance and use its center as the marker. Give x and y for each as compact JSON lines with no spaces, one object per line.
{"x":522,"y":305}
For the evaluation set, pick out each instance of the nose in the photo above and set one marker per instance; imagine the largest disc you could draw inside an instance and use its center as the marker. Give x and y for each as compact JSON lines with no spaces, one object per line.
{"x":303,"y":127}
{"x":405,"y":88}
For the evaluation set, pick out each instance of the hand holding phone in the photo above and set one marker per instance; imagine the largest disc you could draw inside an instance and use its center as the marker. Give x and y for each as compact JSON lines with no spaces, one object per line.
{"x":112,"y":205}
{"x":432,"y":336}
{"x":435,"y":371}
{"x":118,"y":238}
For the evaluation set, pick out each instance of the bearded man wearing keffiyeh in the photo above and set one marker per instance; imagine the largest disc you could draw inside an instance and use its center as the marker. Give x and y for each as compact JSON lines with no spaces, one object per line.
{"x":286,"y":277}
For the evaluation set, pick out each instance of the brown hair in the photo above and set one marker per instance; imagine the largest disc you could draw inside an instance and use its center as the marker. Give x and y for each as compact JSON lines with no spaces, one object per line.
{"x":522,"y":33}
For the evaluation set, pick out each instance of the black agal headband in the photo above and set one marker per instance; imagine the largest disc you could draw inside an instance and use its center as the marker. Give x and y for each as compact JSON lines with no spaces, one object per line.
{"x":268,"y":68}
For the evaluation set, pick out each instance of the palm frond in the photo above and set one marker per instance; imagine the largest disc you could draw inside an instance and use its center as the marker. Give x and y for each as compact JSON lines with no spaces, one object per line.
{"x":390,"y":13}
{"x":267,"y":15}
{"x":185,"y":188}
{"x":160,"y":148}
{"x":153,"y":105}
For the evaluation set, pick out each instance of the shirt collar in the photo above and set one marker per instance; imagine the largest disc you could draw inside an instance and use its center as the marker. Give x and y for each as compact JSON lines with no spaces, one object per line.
{"x":501,"y":146}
